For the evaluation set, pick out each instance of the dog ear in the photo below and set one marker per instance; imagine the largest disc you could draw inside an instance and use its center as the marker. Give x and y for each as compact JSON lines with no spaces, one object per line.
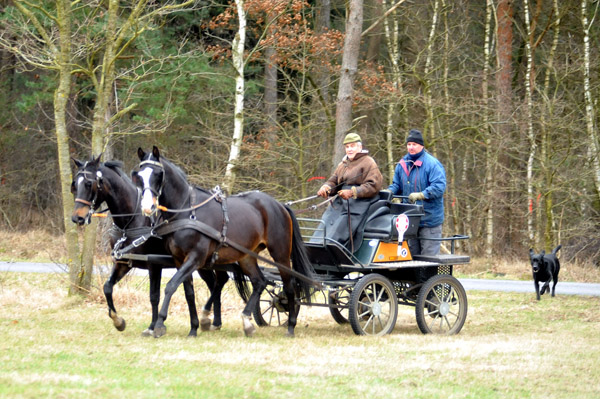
{"x":531,"y":253}
{"x":543,"y":253}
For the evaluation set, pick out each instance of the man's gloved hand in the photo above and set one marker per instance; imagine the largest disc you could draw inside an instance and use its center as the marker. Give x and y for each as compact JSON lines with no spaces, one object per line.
{"x":324,"y":191}
{"x":345,"y":194}
{"x":414,"y":197}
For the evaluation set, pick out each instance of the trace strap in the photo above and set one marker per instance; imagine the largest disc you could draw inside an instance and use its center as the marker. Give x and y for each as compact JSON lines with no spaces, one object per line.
{"x":211,"y":232}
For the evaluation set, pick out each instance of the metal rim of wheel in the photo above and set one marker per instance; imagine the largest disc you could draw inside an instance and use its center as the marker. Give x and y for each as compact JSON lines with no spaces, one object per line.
{"x":341,"y":299}
{"x":373,"y":306}
{"x":270,"y":310}
{"x":441,"y":306}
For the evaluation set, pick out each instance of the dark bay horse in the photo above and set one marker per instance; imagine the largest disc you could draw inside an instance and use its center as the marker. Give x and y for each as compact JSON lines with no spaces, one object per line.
{"x":215,"y":231}
{"x":97,"y":182}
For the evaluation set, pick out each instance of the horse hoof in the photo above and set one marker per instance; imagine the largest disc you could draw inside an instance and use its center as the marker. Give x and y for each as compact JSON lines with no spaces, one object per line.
{"x":192,"y":334}
{"x":215,"y":328}
{"x":120,"y":324}
{"x":147,"y":333}
{"x":249,"y":332}
{"x":159,"y":331}
{"x":205,"y":324}
{"x":290,"y":334}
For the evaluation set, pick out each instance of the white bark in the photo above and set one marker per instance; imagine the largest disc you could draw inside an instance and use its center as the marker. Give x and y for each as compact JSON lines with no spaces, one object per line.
{"x":238,"y":121}
{"x":529,"y":116}
{"x":589,"y":102}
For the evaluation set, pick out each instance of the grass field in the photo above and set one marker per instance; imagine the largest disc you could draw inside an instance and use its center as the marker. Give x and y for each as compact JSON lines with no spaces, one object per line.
{"x":511,"y":346}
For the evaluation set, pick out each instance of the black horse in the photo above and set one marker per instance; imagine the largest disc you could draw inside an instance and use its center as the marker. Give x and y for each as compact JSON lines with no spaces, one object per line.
{"x":204,"y":230}
{"x":97,"y":182}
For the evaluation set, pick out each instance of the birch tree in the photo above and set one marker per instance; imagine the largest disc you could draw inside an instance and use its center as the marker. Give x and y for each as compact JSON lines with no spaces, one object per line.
{"x":590,"y":112}
{"x":237,"y":55}
{"x":529,"y":121}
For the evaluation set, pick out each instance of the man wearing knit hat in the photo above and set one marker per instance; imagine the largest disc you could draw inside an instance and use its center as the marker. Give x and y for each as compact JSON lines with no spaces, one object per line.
{"x":356,"y":181}
{"x":421,"y":178}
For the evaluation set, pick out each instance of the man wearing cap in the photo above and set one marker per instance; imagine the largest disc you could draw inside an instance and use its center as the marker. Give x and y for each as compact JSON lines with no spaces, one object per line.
{"x":357,"y":181}
{"x":422,"y":178}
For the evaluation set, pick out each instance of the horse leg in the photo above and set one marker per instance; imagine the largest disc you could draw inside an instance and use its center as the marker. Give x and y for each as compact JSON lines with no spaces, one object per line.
{"x":250,"y":268}
{"x":190,"y":297}
{"x":290,"y":292}
{"x":119,"y":270}
{"x":221,"y":279}
{"x":209,"y":278}
{"x":155,"y":275}
{"x":182,"y":274}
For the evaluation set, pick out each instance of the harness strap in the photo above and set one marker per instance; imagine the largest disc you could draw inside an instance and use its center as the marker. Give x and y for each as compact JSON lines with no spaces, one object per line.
{"x":223,"y":200}
{"x":212,"y":233}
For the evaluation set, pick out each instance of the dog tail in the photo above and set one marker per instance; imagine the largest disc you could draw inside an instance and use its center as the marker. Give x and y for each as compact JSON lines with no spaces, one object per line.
{"x":555,"y":250}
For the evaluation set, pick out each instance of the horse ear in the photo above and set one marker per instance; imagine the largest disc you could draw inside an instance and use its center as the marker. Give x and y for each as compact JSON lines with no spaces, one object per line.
{"x":155,"y":152}
{"x":77,"y":162}
{"x":97,"y":160}
{"x":141,"y":153}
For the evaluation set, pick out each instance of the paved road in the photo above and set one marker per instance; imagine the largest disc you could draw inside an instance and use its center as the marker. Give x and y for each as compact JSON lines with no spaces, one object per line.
{"x":562,"y":288}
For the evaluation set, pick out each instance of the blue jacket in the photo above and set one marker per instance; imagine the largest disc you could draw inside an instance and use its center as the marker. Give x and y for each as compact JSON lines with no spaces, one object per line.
{"x":426,"y":175}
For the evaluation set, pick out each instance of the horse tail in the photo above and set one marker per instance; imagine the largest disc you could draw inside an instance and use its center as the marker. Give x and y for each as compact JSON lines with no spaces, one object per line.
{"x":241,"y":282}
{"x":300,"y":260}
{"x":555,"y":250}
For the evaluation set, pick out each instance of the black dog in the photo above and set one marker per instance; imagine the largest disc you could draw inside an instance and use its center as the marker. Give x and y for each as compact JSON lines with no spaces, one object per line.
{"x":545,"y":268}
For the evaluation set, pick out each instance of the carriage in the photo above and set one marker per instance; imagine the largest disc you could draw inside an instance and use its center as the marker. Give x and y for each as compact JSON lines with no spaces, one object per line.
{"x":364,"y":288}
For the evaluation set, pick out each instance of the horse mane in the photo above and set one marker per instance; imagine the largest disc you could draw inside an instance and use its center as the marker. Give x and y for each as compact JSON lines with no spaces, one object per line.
{"x":117,"y":167}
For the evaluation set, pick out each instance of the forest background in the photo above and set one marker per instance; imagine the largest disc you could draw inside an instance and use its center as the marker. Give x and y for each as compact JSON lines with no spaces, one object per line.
{"x":257,"y":95}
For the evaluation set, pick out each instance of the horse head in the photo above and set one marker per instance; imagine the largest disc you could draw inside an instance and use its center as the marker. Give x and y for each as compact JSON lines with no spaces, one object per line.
{"x":85,"y":188}
{"x":150,"y":178}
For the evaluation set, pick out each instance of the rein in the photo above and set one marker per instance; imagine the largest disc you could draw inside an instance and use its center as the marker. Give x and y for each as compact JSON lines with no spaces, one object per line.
{"x":191,"y":208}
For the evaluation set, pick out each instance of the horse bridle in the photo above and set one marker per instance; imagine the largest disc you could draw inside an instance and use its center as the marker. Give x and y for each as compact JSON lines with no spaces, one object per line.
{"x":159,"y":165}
{"x":97,"y":179}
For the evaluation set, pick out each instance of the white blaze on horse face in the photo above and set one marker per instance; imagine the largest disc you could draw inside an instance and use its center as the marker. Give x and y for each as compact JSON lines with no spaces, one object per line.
{"x":79,"y":180}
{"x":147,"y":197}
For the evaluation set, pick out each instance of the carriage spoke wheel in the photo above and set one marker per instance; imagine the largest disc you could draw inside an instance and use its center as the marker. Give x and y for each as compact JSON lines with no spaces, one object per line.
{"x":340,"y":299}
{"x":441,"y":306}
{"x":273,"y":307}
{"x":373,"y":306}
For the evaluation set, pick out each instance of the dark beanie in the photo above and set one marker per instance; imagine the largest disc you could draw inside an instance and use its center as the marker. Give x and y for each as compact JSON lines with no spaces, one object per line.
{"x":415,"y":136}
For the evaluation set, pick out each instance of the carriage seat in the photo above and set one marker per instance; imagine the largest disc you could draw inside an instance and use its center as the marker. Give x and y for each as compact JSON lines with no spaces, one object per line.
{"x":381,"y":223}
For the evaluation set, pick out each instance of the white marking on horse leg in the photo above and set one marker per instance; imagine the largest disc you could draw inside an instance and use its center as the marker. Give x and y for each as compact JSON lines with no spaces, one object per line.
{"x":249,"y":328}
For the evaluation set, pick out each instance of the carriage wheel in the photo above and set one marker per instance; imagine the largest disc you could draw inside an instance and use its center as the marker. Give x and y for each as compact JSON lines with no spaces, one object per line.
{"x":441,"y":306}
{"x":273,"y":308}
{"x":339,"y":298}
{"x":373,"y":306}
{"x":342,"y":298}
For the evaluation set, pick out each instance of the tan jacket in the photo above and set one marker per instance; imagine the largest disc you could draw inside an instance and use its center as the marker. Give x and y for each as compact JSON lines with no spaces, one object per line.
{"x":362,"y":172}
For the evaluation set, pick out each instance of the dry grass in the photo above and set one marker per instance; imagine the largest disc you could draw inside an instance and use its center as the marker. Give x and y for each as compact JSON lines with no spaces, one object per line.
{"x":512,"y":346}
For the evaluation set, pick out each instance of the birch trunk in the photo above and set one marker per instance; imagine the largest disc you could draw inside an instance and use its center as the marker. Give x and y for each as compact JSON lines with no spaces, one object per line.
{"x":430,"y":125}
{"x":545,"y":141}
{"x":529,"y":122}
{"x":589,"y":102}
{"x":238,"y":118}
{"x":392,"y":33}
{"x":489,"y":157}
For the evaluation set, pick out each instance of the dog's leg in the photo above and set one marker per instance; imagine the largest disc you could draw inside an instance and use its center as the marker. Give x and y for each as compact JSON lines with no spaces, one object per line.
{"x":537,"y":289}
